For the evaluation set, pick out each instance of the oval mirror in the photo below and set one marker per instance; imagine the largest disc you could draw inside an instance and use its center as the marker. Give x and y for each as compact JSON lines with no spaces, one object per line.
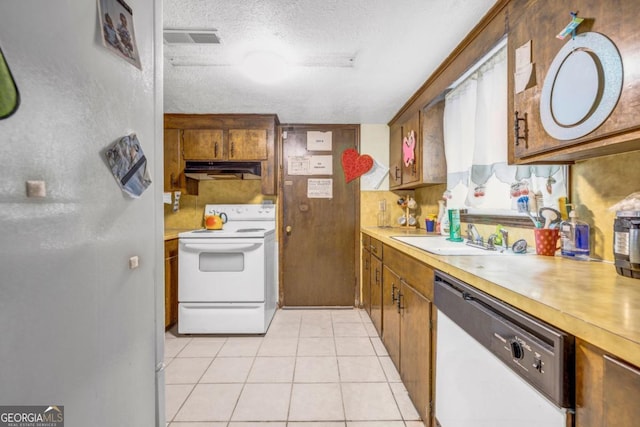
{"x":582,"y":86}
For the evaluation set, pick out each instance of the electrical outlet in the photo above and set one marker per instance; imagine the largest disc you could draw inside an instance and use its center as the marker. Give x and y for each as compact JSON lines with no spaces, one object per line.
{"x":133,"y":262}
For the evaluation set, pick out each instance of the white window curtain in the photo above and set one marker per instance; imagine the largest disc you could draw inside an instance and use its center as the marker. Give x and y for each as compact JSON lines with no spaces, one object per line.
{"x":459,"y":129}
{"x":475,"y":138}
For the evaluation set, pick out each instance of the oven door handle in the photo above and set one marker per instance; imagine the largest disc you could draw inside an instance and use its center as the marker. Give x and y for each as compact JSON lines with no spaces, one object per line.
{"x":217,"y":248}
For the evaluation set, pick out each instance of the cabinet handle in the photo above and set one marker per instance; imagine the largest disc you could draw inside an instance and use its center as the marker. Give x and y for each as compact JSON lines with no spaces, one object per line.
{"x":397,"y":178}
{"x":377,"y":276}
{"x":231,"y":150}
{"x":400,"y":306}
{"x":516,"y":128}
{"x":393,"y":292}
{"x":366,"y":264}
{"x":374,"y":249}
{"x":215,"y":150}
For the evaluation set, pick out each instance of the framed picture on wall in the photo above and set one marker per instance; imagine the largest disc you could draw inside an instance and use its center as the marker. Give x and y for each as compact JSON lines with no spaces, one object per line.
{"x":116,"y":20}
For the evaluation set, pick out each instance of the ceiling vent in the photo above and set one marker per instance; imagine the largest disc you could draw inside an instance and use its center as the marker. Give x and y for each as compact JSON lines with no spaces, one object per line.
{"x":191,"y":37}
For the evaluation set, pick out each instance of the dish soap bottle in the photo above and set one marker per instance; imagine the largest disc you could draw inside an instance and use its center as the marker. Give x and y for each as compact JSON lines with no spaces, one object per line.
{"x":574,"y":235}
{"x":442,"y":226}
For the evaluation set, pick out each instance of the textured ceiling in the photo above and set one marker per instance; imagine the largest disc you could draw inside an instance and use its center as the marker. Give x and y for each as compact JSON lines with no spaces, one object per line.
{"x":396,"y":45}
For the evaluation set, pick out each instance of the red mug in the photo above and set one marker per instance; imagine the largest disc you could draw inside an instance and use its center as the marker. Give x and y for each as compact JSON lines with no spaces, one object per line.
{"x":546,"y":241}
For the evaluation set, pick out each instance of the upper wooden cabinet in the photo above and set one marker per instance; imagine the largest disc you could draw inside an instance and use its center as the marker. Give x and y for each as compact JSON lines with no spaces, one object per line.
{"x":219,"y":137}
{"x":247,"y":144}
{"x":173,"y":162}
{"x":428,"y":165}
{"x":202,"y":144}
{"x":539,"y":22}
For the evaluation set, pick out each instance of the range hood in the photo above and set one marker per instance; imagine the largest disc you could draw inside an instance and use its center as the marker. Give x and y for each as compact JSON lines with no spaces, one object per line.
{"x":202,"y":170}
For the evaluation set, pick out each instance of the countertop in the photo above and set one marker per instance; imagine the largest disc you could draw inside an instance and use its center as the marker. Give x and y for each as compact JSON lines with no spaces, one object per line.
{"x":172,"y":233}
{"x":587,"y":299}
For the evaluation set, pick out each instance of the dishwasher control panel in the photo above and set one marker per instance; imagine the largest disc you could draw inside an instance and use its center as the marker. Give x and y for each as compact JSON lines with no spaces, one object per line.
{"x":521,"y":351}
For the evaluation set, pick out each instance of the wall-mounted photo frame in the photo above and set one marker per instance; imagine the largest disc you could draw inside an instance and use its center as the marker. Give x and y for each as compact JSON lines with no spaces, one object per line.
{"x":118,"y":36}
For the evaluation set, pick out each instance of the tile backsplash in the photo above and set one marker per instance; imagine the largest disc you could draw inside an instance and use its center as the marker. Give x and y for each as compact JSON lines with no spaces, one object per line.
{"x":191,"y":210}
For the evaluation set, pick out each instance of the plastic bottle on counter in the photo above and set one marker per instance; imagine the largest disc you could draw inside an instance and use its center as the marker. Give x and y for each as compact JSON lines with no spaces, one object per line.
{"x":574,"y":235}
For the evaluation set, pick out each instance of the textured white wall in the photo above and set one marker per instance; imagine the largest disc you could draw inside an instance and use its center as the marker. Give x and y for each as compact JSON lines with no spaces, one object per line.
{"x":77,"y":326}
{"x":374,"y":141}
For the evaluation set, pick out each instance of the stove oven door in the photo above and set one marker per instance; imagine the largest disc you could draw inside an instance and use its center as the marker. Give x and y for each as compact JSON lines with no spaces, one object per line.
{"x":221,"y":270}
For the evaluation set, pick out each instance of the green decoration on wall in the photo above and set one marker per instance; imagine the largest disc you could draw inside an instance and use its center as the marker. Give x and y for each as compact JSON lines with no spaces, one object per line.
{"x":9,"y":96}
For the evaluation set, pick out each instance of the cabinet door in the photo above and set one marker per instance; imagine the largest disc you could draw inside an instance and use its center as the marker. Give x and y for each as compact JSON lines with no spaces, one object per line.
{"x":395,"y":156}
{"x":607,"y":389}
{"x":247,"y":144}
{"x":170,"y":282}
{"x":173,"y":164}
{"x":376,"y":293}
{"x":434,"y":163}
{"x":366,"y":279}
{"x":411,"y":173}
{"x":391,"y":314}
{"x":621,"y":390}
{"x":415,"y":349}
{"x":202,"y":144}
{"x":621,"y":127}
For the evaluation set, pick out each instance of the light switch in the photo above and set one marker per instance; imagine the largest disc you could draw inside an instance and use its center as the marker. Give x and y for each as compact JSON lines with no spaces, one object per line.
{"x":36,"y":189}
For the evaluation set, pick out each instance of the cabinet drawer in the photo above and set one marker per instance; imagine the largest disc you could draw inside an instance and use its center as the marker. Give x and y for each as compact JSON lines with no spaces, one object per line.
{"x":412,"y":271}
{"x":376,"y":248}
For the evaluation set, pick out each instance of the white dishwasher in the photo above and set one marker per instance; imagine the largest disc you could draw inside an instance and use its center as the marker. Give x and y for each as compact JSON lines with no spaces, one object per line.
{"x":497,"y":366}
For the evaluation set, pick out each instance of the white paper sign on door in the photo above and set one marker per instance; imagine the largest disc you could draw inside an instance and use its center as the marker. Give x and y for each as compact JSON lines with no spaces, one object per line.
{"x":321,"y":165}
{"x":320,"y":188}
{"x":318,"y":141}
{"x":298,"y":165}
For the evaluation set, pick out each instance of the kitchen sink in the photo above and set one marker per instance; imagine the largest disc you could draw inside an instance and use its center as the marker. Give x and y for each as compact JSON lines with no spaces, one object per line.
{"x":440,"y":245}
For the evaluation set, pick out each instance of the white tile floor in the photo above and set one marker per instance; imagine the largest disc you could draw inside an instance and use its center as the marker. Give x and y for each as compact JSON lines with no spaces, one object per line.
{"x":313,"y":368}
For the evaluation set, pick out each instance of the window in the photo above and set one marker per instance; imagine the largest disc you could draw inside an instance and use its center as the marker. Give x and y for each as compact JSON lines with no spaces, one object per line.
{"x":475,"y":139}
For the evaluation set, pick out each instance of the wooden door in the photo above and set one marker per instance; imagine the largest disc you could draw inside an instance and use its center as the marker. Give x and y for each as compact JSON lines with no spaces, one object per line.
{"x":247,"y":144}
{"x":320,"y":220}
{"x":202,"y":144}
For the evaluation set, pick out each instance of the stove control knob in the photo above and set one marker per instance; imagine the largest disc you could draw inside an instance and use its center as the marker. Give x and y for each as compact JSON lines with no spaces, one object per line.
{"x":516,"y":349}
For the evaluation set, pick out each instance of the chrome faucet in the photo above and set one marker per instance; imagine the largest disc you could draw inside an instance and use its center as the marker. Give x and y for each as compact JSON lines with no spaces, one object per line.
{"x":473,"y":236}
{"x":475,"y":239}
{"x":505,"y":238}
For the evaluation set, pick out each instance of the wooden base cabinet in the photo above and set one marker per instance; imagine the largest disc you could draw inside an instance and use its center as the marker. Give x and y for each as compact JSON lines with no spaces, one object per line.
{"x":366,"y":274}
{"x":607,"y":389}
{"x":407,"y":327}
{"x":376,"y":284}
{"x":416,"y":350}
{"x":391,"y":314}
{"x":170,"y":282}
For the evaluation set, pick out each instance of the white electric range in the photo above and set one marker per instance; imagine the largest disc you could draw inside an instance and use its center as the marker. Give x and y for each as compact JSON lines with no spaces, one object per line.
{"x":227,"y":278}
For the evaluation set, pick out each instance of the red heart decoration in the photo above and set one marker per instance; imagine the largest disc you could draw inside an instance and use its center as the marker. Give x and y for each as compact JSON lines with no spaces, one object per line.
{"x":354,"y":164}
